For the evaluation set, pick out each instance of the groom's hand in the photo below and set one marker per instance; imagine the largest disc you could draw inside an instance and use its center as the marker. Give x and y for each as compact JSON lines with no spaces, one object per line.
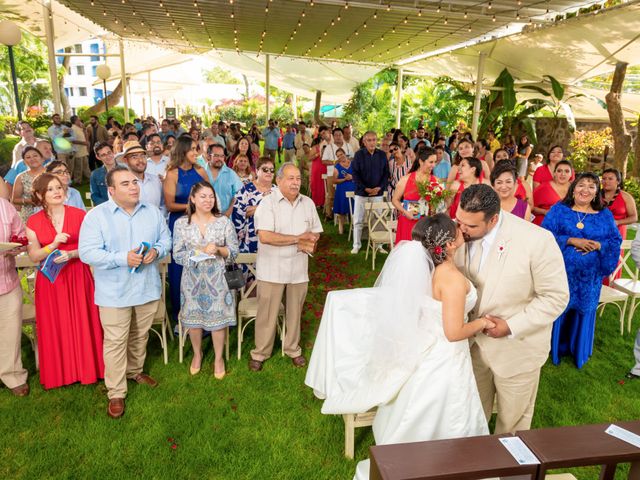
{"x":501,"y":328}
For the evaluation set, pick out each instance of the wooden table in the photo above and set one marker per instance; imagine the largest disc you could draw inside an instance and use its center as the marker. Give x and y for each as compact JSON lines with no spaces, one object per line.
{"x":460,"y":459}
{"x":583,"y":445}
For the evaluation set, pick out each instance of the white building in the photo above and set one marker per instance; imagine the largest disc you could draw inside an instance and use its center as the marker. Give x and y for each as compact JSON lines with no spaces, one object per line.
{"x":81,"y":75}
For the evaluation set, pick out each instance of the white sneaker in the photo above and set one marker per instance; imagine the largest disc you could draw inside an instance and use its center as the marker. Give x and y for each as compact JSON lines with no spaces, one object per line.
{"x":355,"y":250}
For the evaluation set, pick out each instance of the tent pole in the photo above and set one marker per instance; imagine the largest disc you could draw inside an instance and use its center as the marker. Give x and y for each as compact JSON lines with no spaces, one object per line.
{"x":149,"y":93}
{"x":51,"y":51}
{"x":399,"y":99}
{"x":123,"y":77}
{"x":478,"y":98}
{"x":267,"y":75}
{"x":294,"y":106}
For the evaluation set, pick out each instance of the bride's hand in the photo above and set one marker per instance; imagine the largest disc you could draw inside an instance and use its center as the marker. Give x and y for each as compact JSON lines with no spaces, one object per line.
{"x":488,"y":324}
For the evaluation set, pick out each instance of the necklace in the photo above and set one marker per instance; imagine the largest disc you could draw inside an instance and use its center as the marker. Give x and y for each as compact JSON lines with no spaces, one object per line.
{"x":580,"y":224}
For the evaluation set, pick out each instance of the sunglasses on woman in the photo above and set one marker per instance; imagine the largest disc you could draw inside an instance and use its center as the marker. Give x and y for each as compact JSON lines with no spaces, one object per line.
{"x":268,"y":170}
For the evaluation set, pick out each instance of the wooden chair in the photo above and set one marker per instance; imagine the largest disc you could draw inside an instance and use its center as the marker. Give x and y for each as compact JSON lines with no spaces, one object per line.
{"x":378,"y":215}
{"x":248,"y":303}
{"x":161,"y":317}
{"x":27,"y":276}
{"x":87,"y":196}
{"x":351,"y":422}
{"x":628,"y":283}
{"x":614,"y":296}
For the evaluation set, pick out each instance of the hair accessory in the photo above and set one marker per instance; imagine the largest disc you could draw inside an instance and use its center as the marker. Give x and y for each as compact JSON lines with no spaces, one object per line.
{"x":437,"y":244}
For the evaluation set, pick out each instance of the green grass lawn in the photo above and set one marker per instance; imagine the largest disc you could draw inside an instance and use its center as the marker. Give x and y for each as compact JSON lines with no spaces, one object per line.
{"x":259,"y":425}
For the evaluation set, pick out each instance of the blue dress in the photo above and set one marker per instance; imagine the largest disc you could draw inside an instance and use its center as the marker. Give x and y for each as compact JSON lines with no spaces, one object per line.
{"x":574,"y":329}
{"x":186,"y":180}
{"x":340,"y":201}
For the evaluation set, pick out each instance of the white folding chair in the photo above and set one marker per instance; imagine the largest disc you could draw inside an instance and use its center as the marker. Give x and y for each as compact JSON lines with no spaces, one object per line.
{"x":161,"y":317}
{"x":27,"y":276}
{"x":248,"y":303}
{"x":628,"y":283}
{"x":613,"y":296}
{"x":350,"y":199}
{"x":87,"y":196}
{"x":378,"y":215}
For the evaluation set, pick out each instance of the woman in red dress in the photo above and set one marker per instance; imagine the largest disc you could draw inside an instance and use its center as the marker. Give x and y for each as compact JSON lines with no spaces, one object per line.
{"x":407,"y":189}
{"x":545,"y":172}
{"x":466,"y":149}
{"x":67,"y":320}
{"x":621,"y":204}
{"x":470,"y":174}
{"x":316,"y":182}
{"x":550,"y":193}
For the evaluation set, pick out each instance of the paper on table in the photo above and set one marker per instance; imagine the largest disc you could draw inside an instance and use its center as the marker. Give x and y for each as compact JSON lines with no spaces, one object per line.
{"x":519,"y":451}
{"x":624,"y":435}
{"x":199,"y":257}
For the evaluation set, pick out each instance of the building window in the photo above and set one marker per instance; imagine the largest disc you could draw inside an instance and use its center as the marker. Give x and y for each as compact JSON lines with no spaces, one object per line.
{"x":97,"y":95}
{"x":95,"y":48}
{"x":80,"y":69}
{"x":70,"y":94}
{"x":82,"y":91}
{"x":77,"y":48}
{"x":94,"y":71}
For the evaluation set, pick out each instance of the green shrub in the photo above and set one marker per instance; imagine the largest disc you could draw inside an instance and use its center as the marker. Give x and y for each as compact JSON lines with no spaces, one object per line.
{"x":116,"y":112}
{"x":586,"y":144}
{"x":6,"y":150}
{"x":632,"y":186}
{"x":7,"y":125}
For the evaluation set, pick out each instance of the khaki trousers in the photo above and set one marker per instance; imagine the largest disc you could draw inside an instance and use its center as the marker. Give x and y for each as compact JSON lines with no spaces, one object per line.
{"x":125,"y":344}
{"x":269,"y":299}
{"x":290,"y":155}
{"x":516,"y":395}
{"x":79,"y":168}
{"x":331,"y":193}
{"x":11,"y":372}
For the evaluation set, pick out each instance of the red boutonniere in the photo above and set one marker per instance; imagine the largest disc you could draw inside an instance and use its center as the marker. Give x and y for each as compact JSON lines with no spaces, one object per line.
{"x":502,"y":248}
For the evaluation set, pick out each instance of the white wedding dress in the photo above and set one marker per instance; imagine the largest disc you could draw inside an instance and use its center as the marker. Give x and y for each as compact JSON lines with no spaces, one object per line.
{"x":368,"y":354}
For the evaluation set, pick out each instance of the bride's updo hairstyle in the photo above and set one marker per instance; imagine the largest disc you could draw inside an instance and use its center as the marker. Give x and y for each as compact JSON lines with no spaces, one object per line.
{"x":434,"y":233}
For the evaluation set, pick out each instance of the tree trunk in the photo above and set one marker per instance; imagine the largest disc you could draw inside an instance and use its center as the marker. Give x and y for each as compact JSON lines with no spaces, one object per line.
{"x":113,"y":98}
{"x":64,"y":101}
{"x":621,"y":138}
{"x":636,"y":150}
{"x":316,"y":110}
{"x":247,"y":93}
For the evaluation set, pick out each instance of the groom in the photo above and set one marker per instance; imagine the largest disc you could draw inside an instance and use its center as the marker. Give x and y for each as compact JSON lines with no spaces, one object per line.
{"x":522,"y":286}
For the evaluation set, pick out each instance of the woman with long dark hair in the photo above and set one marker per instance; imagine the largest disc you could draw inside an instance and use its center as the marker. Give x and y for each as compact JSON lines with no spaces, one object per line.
{"x":203,"y":241}
{"x":620,"y":203}
{"x":590,"y":243}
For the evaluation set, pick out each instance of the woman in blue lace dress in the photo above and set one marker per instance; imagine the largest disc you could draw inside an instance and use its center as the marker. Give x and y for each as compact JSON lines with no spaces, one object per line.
{"x":247,"y":200}
{"x":344,"y":183}
{"x":590,"y":242}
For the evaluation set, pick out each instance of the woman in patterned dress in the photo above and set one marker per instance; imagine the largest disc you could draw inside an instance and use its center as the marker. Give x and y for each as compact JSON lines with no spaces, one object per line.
{"x":23,"y":187}
{"x":247,"y":200}
{"x":206,"y":303}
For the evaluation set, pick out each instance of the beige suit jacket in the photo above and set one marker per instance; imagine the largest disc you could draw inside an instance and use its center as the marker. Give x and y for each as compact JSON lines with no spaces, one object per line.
{"x":523,"y":281}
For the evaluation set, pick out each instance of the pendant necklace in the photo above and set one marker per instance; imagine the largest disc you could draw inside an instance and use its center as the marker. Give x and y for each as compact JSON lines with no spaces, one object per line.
{"x":580,"y":224}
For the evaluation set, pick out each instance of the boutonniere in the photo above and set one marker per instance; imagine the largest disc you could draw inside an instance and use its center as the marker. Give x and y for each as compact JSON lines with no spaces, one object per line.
{"x":502,"y":248}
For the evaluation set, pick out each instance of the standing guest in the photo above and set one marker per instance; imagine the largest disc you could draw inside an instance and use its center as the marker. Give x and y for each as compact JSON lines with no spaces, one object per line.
{"x":79,"y":166}
{"x":60,"y":170}
{"x":545,"y":173}
{"x":23,"y":187}
{"x":27,"y":139}
{"x":156,"y":159}
{"x":242,"y":167}
{"x":195,"y":134}
{"x":44,"y":147}
{"x":98,"y":181}
{"x":205,"y":300}
{"x":371,"y":176}
{"x":466,"y":149}
{"x":420,"y":137}
{"x":407,"y":189}
{"x":590,"y":243}
{"x":247,"y":200}
{"x":329,"y":158}
{"x":385,"y":145}
{"x":399,"y":166}
{"x":61,"y":137}
{"x":523,"y":188}
{"x":494,"y":144}
{"x":517,"y":269}
{"x":302,"y":137}
{"x":620,"y":203}
{"x":504,"y":180}
{"x":483,"y":152}
{"x":469,"y":173}
{"x":225,"y":181}
{"x":524,"y":150}
{"x":549,"y":193}
{"x":67,"y":320}
{"x":183,"y":172}
{"x":12,"y":373}
{"x":127,"y":282}
{"x":167,"y":145}
{"x":288,"y":144}
{"x":510,"y":147}
{"x":135,"y":157}
{"x":343,"y":180}
{"x":318,"y":168}
{"x":352,"y":141}
{"x":165,"y":130}
{"x":243,"y":147}
{"x":271,"y":136}
{"x":214,"y":132}
{"x":96,"y":133}
{"x":282,"y":264}
{"x":443,"y":164}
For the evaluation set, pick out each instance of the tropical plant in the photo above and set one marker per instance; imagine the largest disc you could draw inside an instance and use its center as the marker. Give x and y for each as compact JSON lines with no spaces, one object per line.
{"x":587,"y":144}
{"x":220,"y":75}
{"x":116,"y":112}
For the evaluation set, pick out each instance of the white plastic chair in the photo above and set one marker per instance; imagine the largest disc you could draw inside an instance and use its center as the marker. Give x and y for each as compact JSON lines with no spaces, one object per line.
{"x":629,"y":284}
{"x":613,"y":296}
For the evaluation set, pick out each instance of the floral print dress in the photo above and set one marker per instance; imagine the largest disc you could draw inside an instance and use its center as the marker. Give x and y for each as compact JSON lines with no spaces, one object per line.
{"x":248,"y":196}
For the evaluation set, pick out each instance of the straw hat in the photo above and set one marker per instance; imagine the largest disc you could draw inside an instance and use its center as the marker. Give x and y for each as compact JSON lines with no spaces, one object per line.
{"x":132,"y":147}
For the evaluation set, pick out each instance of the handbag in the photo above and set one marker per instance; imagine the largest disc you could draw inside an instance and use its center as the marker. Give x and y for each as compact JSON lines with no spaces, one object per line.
{"x":234,"y":276}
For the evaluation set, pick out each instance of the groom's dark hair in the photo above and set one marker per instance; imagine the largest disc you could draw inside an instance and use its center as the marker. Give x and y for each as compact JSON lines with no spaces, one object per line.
{"x":480,"y":198}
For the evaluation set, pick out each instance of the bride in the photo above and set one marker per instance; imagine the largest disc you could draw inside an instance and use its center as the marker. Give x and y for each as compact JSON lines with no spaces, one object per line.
{"x":402,"y":345}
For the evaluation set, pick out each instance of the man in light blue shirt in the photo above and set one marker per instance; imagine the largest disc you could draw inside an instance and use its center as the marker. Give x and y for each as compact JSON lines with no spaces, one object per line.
{"x":288,"y":144}
{"x":421,"y":132}
{"x":271,"y":135}
{"x":443,"y":166}
{"x":225,"y":181}
{"x":126,"y":281}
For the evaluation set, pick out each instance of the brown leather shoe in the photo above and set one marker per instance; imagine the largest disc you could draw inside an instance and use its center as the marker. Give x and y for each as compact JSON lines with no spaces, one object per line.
{"x":299,"y":361}
{"x":115,"y":408}
{"x":21,"y":390}
{"x":255,"y":365}
{"x":144,"y":379}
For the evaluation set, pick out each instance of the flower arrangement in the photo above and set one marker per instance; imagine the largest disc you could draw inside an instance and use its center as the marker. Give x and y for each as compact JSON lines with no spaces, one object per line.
{"x":21,"y":240}
{"x":433,"y":194}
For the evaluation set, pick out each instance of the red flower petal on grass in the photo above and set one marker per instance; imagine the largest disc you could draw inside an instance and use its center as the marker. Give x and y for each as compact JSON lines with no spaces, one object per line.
{"x":169,"y":439}
{"x":174,"y":446}
{"x":621,"y":382}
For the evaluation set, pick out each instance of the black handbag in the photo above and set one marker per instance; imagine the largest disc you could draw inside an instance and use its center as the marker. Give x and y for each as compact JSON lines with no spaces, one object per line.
{"x":234,"y":276}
